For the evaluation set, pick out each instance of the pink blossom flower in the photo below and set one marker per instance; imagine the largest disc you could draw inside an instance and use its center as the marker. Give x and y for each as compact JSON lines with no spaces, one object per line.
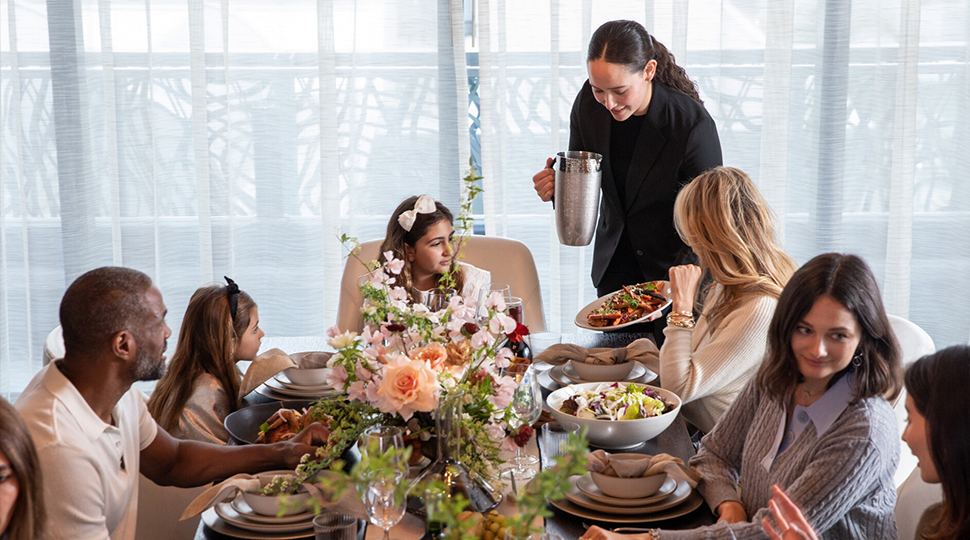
{"x":376,"y":278}
{"x":333,"y":331}
{"x":495,"y":432}
{"x":362,"y":373}
{"x":482,"y":338}
{"x":337,"y":377}
{"x":508,"y":445}
{"x":495,"y":301}
{"x":395,"y":266}
{"x":399,"y":294}
{"x":408,"y":386}
{"x":503,"y":358}
{"x":503,"y":392}
{"x":357,"y":391}
{"x":502,"y":324}
{"x":372,"y":336}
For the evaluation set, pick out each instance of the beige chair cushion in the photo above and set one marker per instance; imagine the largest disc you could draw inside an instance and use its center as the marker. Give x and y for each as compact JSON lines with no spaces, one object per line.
{"x":509,"y":261}
{"x":914,"y":343}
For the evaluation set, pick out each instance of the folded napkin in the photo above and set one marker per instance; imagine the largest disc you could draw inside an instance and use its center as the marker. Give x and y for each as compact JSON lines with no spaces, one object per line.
{"x":220,"y":492}
{"x":600,"y":462}
{"x":642,"y":350}
{"x":263,"y":367}
{"x":311,"y":359}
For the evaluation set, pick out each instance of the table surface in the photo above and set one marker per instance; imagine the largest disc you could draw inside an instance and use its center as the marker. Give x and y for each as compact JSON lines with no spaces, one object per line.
{"x":674,"y":440}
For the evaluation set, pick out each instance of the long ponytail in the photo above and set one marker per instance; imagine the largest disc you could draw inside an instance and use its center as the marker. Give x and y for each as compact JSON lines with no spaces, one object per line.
{"x":629,"y":44}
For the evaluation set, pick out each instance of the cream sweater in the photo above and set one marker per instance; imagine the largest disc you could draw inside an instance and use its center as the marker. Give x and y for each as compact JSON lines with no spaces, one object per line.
{"x":709,"y":369}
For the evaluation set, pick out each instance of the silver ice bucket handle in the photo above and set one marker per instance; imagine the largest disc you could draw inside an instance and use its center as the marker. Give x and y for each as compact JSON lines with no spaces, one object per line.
{"x":577,"y":196}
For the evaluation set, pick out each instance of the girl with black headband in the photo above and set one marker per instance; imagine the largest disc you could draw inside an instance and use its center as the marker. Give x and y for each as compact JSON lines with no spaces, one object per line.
{"x":201,"y":386}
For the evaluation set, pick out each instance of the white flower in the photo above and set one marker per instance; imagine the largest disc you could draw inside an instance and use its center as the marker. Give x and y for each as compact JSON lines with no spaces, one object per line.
{"x":343,"y":340}
{"x":399,"y":294}
{"x":481,"y":339}
{"x":495,"y":301}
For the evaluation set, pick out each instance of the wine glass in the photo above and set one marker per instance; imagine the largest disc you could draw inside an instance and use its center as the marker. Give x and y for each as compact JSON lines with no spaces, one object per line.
{"x":384,"y":504}
{"x":487,"y":291}
{"x":381,"y":439}
{"x":526,"y":407}
{"x":437,"y":299}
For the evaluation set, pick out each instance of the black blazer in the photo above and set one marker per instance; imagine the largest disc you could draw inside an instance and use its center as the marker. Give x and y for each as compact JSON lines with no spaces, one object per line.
{"x":677,"y":142}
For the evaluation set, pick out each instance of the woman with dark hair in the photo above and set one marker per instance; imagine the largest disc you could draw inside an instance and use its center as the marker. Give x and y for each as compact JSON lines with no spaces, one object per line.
{"x":815,"y":420}
{"x":201,"y":386}
{"x":938,"y":433}
{"x":22,"y":514}
{"x":421,"y":234}
{"x":641,"y":112}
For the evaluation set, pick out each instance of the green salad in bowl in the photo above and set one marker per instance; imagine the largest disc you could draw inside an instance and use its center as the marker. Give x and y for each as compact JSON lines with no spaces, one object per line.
{"x":614,"y":402}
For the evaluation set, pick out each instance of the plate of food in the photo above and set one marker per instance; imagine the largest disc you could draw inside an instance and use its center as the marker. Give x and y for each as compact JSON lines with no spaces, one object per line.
{"x":630,"y":305}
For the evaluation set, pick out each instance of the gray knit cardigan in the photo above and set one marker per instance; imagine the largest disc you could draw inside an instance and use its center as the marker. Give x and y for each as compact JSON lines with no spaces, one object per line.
{"x":842,"y":480}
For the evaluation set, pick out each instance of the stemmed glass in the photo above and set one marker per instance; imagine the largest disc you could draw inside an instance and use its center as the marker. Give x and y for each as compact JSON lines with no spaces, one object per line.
{"x":526,"y":407}
{"x":487,"y":291}
{"x":383,"y":500}
{"x":437,"y":299}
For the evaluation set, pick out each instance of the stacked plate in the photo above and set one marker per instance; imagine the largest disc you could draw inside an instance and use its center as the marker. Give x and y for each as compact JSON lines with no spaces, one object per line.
{"x":674,"y":499}
{"x":281,"y":387}
{"x":238,"y":520}
{"x":564,"y":375}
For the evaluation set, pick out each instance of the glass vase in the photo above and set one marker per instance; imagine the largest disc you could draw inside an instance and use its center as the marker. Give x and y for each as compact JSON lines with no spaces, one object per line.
{"x":447,"y":468}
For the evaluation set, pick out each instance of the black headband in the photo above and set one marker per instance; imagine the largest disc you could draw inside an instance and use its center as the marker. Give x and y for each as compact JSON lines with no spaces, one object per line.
{"x":232,"y":292}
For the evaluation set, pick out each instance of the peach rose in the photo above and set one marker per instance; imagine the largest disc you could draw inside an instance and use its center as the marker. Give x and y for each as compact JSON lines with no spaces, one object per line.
{"x":408,"y":386}
{"x":433,"y":353}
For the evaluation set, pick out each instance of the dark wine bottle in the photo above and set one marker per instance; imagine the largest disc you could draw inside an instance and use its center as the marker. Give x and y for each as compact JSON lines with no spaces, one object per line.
{"x":433,"y":530}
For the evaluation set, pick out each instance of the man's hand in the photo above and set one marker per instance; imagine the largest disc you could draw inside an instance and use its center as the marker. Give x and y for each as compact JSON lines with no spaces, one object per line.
{"x":306,"y":442}
{"x":731,"y":512}
{"x":544,"y":182}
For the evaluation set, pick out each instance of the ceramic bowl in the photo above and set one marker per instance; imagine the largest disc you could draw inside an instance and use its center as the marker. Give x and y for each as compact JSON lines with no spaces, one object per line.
{"x":615,"y":434}
{"x":628,"y":488}
{"x":307,"y":377}
{"x":602,"y":372}
{"x":269,"y":505}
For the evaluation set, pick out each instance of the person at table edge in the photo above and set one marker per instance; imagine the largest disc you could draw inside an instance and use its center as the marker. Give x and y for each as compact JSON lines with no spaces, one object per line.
{"x":641,"y":112}
{"x":93,"y":431}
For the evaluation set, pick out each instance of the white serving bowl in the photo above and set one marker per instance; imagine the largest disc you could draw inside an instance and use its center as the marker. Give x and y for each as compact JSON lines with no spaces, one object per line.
{"x":269,"y":505}
{"x":602,"y":372}
{"x":628,"y":488}
{"x":615,"y":434}
{"x":307,"y":376}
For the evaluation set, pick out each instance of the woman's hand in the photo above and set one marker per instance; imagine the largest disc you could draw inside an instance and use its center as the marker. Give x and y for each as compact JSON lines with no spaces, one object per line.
{"x":545,"y":182}
{"x":731,"y":512}
{"x":596,"y":533}
{"x":684,"y":281}
{"x":790,"y":520}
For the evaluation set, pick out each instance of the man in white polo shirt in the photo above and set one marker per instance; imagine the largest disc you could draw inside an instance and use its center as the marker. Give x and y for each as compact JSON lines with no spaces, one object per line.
{"x":93,"y":431}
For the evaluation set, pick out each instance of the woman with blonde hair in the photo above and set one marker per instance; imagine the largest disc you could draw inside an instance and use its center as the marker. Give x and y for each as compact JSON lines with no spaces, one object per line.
{"x":201,"y":386}
{"x":22,"y":514}
{"x":707,"y":360}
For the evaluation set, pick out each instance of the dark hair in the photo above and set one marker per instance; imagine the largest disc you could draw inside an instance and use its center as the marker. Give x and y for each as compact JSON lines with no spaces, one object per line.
{"x":101,"y":303}
{"x":397,"y":237}
{"x":848,"y":280}
{"x":627,"y":43}
{"x":28,"y":521}
{"x":938,"y":385}
{"x":207,"y":344}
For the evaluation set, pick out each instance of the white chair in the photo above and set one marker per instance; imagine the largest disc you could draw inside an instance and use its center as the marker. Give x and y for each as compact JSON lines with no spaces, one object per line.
{"x":509,"y":261}
{"x":159,"y":510}
{"x":913,"y":497}
{"x":914,"y":343}
{"x":54,"y":345}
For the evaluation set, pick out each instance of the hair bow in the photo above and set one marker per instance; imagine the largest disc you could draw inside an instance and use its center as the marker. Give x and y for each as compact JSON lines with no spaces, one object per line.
{"x":424,"y":205}
{"x":232,"y":292}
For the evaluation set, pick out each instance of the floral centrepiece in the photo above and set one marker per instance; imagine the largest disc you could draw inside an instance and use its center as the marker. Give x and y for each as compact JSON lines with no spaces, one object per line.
{"x":408,"y":356}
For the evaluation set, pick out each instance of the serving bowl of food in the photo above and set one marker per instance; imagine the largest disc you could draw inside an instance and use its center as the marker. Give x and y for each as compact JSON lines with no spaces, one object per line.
{"x":618,"y":415}
{"x":636,"y":487}
{"x":630,"y":305}
{"x":602,"y":372}
{"x":277,"y":496}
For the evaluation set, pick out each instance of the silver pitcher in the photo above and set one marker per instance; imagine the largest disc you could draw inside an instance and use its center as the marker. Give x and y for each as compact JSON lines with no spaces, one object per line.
{"x":577,"y":197}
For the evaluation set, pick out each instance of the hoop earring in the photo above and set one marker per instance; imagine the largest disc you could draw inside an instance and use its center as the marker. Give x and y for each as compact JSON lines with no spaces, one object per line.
{"x":857,"y":360}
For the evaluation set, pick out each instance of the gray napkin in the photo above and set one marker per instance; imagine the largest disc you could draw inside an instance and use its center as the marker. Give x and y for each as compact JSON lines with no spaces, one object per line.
{"x":642,"y":350}
{"x":599,"y":461}
{"x":311,"y":359}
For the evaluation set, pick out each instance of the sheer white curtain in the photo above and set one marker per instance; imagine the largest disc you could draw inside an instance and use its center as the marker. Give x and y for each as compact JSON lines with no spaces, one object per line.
{"x":193,"y":139}
{"x":851,"y":116}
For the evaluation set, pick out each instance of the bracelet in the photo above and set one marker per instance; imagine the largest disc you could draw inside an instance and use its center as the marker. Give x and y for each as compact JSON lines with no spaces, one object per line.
{"x":654,"y":533}
{"x":682,"y":319}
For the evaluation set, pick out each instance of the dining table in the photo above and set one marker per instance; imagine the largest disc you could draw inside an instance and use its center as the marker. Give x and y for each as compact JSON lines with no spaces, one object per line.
{"x":675,"y":441}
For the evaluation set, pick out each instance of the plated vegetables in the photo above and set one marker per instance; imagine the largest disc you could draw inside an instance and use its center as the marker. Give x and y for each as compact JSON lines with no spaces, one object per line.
{"x":628,"y":305}
{"x":612,"y":401}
